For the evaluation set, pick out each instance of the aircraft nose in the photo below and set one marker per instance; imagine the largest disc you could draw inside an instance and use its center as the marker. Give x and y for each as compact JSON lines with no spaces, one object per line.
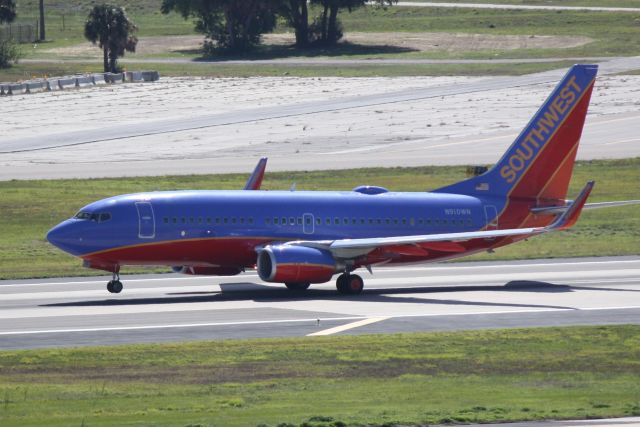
{"x":60,"y":236}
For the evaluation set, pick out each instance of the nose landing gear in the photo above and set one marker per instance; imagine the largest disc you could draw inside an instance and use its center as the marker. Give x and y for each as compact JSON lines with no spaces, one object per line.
{"x":115,"y":285}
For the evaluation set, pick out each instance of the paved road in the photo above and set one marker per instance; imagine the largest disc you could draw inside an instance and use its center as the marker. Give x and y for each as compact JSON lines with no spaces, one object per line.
{"x":160,"y":308}
{"x":609,"y":422}
{"x":517,"y":7}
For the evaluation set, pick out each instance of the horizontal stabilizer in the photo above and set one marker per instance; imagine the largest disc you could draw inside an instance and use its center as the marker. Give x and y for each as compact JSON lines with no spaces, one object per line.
{"x":255,"y":180}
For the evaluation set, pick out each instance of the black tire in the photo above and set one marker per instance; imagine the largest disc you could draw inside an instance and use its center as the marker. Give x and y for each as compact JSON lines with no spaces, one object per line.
{"x":297,"y":286}
{"x":341,"y":284}
{"x":110,"y":286}
{"x":355,"y":284}
{"x":116,"y":287}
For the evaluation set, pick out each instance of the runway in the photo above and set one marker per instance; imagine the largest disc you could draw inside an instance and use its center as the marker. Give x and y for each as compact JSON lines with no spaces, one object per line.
{"x":166,"y":308}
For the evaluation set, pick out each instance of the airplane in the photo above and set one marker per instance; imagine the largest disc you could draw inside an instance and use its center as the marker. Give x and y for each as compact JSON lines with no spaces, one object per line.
{"x":303,"y":237}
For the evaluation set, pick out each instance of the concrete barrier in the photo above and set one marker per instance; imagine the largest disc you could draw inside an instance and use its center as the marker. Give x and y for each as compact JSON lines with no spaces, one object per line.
{"x":98,"y":79}
{"x":15,"y":89}
{"x":2,"y":90}
{"x":67,"y":82}
{"x":114,"y":77}
{"x":34,"y":86}
{"x":133,"y":76}
{"x":51,"y":85}
{"x":84,"y":81}
{"x":150,"y":76}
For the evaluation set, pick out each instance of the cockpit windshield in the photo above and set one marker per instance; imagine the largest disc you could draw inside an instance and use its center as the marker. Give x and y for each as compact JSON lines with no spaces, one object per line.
{"x":97,"y":217}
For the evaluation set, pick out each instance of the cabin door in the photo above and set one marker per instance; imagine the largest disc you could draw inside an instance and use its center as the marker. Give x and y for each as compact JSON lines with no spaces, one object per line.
{"x":307,"y":223}
{"x":146,"y":221}
{"x":491,"y":215}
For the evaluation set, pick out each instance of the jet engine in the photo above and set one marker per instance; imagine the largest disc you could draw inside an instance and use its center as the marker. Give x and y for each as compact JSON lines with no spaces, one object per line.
{"x":207,"y":271}
{"x":296,"y":264}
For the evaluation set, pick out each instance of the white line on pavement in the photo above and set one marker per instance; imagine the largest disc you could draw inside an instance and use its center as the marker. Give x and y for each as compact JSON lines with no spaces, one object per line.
{"x":348,"y":326}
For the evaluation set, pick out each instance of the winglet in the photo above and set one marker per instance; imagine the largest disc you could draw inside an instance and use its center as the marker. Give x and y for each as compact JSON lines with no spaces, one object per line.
{"x":255,"y":180}
{"x":571,"y":215}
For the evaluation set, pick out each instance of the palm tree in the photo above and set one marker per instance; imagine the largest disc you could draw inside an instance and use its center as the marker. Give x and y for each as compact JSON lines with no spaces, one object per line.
{"x":42,"y":37}
{"x":109,"y":27}
{"x":7,"y":11}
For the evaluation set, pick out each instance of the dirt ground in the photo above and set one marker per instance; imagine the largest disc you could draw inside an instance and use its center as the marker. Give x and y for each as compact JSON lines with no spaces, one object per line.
{"x":424,"y":42}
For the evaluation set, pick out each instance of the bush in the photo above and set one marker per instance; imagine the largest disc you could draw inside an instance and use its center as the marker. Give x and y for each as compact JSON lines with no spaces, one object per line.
{"x":9,"y":52}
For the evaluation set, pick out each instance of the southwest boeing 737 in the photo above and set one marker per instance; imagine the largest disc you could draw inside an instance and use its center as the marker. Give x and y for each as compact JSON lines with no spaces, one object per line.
{"x":303,"y":237}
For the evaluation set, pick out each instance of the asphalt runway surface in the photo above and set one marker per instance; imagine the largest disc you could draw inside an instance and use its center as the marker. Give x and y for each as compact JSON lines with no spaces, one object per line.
{"x":437,"y":297}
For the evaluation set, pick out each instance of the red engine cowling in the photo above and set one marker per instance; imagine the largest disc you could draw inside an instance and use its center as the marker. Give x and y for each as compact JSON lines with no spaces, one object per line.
{"x":296,"y":264}
{"x":207,"y":271}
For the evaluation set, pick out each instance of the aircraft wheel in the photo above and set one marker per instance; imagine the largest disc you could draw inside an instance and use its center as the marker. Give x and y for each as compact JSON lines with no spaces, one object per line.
{"x":114,"y":286}
{"x":341,"y":284}
{"x":349,"y":284}
{"x":297,"y":286}
{"x":355,"y":284}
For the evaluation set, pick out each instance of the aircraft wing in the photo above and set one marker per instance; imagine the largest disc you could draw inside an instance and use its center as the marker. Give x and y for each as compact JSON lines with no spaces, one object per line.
{"x":447,"y":242}
{"x":255,"y":180}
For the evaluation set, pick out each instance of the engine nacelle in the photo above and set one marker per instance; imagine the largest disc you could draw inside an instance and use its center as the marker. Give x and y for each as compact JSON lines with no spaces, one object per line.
{"x":296,"y":264}
{"x":207,"y":271}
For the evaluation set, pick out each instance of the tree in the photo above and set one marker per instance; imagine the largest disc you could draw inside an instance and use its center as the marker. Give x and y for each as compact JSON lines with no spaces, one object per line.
{"x":42,"y":36}
{"x":7,"y":11}
{"x":109,"y":27}
{"x":327,"y":27}
{"x":297,"y":15}
{"x":234,"y":25}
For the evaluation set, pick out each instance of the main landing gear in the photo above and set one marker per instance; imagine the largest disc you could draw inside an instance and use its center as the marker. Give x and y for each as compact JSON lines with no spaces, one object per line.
{"x":115,"y":285}
{"x":349,"y":284}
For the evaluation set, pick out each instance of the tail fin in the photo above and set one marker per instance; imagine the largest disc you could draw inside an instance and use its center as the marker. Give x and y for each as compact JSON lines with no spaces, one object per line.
{"x":540,"y":161}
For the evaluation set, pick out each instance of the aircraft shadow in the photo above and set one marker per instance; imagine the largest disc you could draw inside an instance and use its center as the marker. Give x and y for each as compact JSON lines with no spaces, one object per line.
{"x":261,"y":293}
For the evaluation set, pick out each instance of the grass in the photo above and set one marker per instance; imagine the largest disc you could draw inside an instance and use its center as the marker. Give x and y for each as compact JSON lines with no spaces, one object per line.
{"x":29,"y":208}
{"x":27,"y":71}
{"x":614,"y":33}
{"x":403,"y":379}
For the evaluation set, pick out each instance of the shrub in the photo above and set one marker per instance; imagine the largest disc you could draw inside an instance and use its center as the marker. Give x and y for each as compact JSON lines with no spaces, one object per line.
{"x":9,"y":52}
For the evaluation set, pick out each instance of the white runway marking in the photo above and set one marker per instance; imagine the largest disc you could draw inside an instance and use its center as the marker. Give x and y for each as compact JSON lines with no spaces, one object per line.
{"x":348,"y":326}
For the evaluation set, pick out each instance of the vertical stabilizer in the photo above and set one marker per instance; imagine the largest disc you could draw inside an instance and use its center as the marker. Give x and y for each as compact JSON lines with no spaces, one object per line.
{"x":540,"y":161}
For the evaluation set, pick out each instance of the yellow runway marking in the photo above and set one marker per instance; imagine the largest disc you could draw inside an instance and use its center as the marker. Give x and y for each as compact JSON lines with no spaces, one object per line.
{"x":348,"y":326}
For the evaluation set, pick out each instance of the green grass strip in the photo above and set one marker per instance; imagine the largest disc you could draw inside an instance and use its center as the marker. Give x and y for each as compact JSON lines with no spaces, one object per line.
{"x":402,"y":379}
{"x":29,"y":208}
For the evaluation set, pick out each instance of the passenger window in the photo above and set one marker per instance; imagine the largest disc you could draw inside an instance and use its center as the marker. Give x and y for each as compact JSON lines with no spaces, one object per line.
{"x":233,"y":220}
{"x":318,"y":221}
{"x":241,"y":220}
{"x":362,"y":221}
{"x":217,"y":220}
{"x":327,"y":221}
{"x":395,"y":221}
{"x":191,"y":220}
{"x":283,"y":221}
{"x":412,"y":222}
{"x":200,"y":220}
{"x":165,"y":219}
{"x":225,"y":220}
{"x":420,"y":221}
{"x":336,"y":221}
{"x":174,"y":220}
{"x":404,"y":221}
{"x":300,"y":221}
{"x":267,"y":220}
{"x":250,"y":220}
{"x":275,"y":220}
{"x":104,"y":217}
{"x":184,"y":220}
{"x":308,"y":221}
